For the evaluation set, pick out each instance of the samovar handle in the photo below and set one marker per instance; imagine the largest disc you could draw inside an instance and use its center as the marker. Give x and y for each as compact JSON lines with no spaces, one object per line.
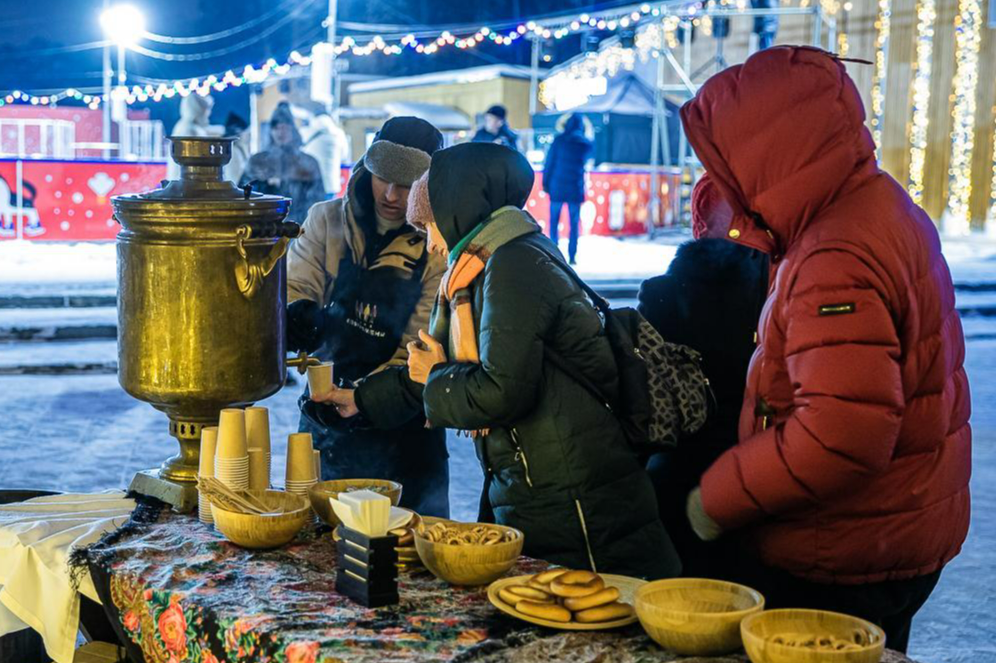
{"x":250,"y":273}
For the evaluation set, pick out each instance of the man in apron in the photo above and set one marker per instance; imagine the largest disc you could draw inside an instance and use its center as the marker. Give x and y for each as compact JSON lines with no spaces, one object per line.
{"x":361,"y":284}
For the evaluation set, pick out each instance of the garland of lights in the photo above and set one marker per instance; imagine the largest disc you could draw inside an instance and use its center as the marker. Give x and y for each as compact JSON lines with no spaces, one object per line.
{"x":968,"y":27}
{"x":926,"y":14}
{"x":549,"y":29}
{"x":883,"y":27}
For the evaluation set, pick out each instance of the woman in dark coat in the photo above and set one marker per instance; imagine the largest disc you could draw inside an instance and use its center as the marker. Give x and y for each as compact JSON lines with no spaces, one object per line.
{"x":557,"y":465}
{"x":563,"y":178}
{"x":710,"y":299}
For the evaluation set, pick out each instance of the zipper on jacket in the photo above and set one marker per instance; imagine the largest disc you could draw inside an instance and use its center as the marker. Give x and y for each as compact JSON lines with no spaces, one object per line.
{"x":520,"y":457}
{"x":584,"y":532}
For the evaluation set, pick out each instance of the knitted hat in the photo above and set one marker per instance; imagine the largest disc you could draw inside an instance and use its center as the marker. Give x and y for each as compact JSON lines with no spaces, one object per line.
{"x":402,"y":149}
{"x":419,"y":213}
{"x":498,"y":111}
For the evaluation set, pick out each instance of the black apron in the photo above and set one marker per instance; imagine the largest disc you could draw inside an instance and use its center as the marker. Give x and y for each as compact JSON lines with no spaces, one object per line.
{"x":366,"y":318}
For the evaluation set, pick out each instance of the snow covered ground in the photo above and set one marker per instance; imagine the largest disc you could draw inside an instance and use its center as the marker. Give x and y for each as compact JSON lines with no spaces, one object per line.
{"x":38,"y":266}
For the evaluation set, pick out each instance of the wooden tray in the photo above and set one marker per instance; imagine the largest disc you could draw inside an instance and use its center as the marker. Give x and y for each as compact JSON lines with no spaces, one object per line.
{"x":627,"y":590}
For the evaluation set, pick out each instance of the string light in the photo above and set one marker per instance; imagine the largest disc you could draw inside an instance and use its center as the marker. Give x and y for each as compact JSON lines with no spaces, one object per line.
{"x":926,"y":14}
{"x":883,"y":26}
{"x":968,"y":26}
{"x":556,"y":29}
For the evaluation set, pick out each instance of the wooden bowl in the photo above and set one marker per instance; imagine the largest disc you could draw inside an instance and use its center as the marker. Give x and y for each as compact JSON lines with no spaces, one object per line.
{"x":762,"y":631}
{"x":323,"y":490}
{"x":694,"y":616}
{"x":470,"y":564}
{"x":251,"y":530}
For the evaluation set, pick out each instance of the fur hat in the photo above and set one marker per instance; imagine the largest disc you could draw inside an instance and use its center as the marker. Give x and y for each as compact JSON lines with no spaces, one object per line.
{"x":402,"y":149}
{"x":419,"y":213}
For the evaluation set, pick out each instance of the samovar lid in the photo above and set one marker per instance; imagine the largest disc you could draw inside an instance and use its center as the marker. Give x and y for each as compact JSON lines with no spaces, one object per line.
{"x":201,"y":161}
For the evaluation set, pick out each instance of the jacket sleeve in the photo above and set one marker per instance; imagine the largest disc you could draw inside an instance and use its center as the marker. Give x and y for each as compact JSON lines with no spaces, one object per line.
{"x":306,"y":259}
{"x":389,"y":399}
{"x":516,"y":316}
{"x":847,"y":401}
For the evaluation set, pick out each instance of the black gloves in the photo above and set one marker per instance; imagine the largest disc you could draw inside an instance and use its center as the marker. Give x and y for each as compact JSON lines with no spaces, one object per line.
{"x":305,"y":322}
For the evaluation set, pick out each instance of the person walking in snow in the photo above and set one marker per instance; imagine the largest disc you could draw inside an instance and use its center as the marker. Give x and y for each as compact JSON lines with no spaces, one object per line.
{"x":563,"y":178}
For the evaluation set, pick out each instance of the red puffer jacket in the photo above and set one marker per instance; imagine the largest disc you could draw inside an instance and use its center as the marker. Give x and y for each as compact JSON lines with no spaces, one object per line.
{"x":855,"y":451}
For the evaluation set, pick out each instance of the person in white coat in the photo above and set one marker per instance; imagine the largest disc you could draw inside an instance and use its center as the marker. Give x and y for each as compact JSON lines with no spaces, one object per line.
{"x":328,"y":144}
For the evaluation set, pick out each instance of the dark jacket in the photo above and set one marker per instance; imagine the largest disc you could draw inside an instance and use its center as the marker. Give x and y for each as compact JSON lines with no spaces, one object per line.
{"x":505,"y":136}
{"x":710,"y":300}
{"x":855,"y":446}
{"x":563,"y":173}
{"x":560,"y":468}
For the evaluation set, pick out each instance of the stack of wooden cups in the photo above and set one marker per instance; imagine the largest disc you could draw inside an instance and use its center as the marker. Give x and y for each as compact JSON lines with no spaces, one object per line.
{"x":258,"y":443}
{"x":231,"y":462}
{"x":209,"y":441}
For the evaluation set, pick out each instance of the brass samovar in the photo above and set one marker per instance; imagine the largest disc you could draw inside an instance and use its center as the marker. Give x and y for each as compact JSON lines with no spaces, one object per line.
{"x":201,"y":300}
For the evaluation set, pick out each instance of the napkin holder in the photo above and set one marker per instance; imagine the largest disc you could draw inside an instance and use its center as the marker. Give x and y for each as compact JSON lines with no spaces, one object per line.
{"x":367,"y":569}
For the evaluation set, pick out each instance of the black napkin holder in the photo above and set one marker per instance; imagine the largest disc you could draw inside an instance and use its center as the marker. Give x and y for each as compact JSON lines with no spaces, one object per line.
{"x":367,"y":570}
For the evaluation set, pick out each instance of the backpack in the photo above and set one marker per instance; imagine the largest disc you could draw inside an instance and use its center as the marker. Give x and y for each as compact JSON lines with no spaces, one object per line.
{"x":663,"y":393}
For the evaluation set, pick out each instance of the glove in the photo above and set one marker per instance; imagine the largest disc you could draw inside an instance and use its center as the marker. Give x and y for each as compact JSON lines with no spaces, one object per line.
{"x":704,"y":527}
{"x":305,"y":322}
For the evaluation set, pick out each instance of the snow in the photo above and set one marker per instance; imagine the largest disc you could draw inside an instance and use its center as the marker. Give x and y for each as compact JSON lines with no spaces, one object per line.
{"x":972,"y":259}
{"x":57,"y":262}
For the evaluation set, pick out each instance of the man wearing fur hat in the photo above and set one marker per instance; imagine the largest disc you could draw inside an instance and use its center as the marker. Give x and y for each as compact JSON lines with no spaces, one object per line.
{"x":361,"y":284}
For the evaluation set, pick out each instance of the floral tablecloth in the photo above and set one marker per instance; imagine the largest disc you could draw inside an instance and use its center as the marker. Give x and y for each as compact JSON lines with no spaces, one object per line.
{"x":177,"y":592}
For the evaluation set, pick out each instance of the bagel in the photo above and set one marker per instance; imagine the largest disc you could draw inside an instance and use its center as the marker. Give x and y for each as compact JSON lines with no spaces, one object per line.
{"x":549,"y":576}
{"x":575,"y":584}
{"x":508,"y":597}
{"x":531,"y":593}
{"x":603,"y":613}
{"x":549,"y":611}
{"x":602,"y":597}
{"x":545,"y":587}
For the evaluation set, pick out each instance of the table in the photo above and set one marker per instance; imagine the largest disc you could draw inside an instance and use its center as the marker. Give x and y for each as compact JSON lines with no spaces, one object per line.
{"x":177,"y":592}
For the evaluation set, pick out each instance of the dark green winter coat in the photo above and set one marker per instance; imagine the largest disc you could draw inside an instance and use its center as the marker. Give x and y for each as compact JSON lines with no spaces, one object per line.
{"x":559,"y":466}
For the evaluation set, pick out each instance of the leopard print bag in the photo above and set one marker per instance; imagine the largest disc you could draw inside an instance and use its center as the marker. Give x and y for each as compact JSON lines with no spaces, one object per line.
{"x":679,"y":390}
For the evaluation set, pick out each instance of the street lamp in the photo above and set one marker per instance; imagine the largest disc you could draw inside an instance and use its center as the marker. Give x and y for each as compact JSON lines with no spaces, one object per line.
{"x":123,"y":25}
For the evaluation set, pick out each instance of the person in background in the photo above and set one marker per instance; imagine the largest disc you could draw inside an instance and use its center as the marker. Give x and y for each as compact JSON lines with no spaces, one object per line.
{"x":361,"y":284}
{"x":195,"y":121}
{"x":557,"y":463}
{"x":710,"y":300}
{"x":282,"y":169}
{"x":765,"y":26}
{"x":235,"y":127}
{"x":496,"y":129}
{"x":328,"y":144}
{"x":563,"y":178}
{"x":849,"y":487}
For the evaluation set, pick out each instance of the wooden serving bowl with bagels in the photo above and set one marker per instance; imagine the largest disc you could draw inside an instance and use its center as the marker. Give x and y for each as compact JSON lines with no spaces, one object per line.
{"x":468,"y":553}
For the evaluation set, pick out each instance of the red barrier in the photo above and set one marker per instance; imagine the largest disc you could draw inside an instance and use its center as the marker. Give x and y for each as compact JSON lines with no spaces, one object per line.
{"x":70,"y":200}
